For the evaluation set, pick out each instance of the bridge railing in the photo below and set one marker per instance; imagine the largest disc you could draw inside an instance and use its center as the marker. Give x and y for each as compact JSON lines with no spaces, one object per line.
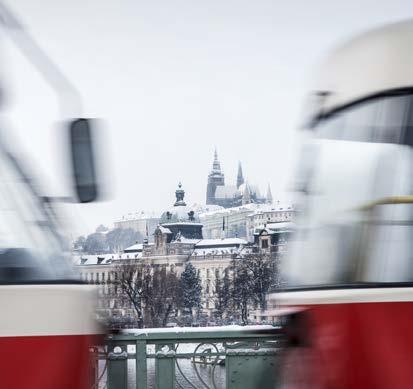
{"x":244,"y":357}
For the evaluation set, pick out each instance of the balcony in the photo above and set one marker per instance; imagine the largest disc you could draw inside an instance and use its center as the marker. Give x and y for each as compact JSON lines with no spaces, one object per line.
{"x":229,"y":357}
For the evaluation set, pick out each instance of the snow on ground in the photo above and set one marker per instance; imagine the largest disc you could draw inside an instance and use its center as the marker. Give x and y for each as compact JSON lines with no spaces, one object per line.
{"x":145,"y":331}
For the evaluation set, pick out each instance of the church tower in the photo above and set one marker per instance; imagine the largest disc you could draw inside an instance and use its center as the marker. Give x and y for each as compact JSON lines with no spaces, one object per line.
{"x":240,"y":176}
{"x":246,"y":195}
{"x":268,"y":197}
{"x":215,"y":178}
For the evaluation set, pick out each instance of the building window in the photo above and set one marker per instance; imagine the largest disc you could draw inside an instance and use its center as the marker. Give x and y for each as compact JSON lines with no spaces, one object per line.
{"x":264,"y":244}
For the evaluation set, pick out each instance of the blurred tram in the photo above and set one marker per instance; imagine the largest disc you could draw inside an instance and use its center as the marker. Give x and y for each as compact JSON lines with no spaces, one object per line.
{"x":349,"y":273}
{"x":47,"y":315}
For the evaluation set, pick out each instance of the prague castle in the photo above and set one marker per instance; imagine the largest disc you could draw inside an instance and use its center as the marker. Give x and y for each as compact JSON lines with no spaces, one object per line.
{"x":228,"y":196}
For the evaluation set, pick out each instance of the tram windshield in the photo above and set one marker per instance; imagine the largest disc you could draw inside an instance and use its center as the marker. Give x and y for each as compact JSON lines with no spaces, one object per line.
{"x":349,"y":234}
{"x":30,"y":248}
{"x":383,"y":119}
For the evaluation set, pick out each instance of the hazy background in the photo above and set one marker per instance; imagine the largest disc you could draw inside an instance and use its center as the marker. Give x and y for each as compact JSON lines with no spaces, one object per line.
{"x":173,"y":79}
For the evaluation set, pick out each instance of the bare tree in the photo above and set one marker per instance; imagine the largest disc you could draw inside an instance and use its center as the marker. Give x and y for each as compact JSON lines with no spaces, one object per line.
{"x":222,"y":295}
{"x":254,"y":275}
{"x":160,"y":296}
{"x":262,"y":270}
{"x":151,"y":291}
{"x":242,"y":289}
{"x":131,"y":278}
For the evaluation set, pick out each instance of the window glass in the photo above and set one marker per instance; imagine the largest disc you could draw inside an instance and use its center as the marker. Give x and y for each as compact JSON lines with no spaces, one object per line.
{"x":359,"y":122}
{"x":382,"y":120}
{"x":389,"y":258}
{"x":392,"y":119}
{"x":332,"y":127}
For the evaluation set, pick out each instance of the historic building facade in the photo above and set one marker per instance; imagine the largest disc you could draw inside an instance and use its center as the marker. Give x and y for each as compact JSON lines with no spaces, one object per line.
{"x":228,"y":196}
{"x":227,"y":222}
{"x":178,"y":239}
{"x":267,"y":214}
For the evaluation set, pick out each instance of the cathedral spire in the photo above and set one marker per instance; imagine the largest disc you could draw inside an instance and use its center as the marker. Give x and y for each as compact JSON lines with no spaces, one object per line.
{"x":268,"y":197}
{"x":246,"y":195}
{"x":240,"y":176}
{"x":216,"y":166}
{"x":215,"y":178}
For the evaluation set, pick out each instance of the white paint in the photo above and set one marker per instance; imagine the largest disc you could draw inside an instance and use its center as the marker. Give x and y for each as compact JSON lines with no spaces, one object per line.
{"x":39,"y":310}
{"x":344,"y":296}
{"x":378,"y":60}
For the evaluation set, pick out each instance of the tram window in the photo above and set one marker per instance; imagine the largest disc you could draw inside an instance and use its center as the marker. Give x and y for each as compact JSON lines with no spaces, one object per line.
{"x":389,"y":256}
{"x":382,"y":120}
{"x":340,"y":241}
{"x":389,"y":259}
{"x":392,"y":119}
{"x":359,"y":122}
{"x":332,"y":127}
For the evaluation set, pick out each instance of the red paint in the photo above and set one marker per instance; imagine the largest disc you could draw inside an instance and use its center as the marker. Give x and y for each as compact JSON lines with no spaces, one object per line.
{"x":46,"y":362}
{"x":354,"y":345}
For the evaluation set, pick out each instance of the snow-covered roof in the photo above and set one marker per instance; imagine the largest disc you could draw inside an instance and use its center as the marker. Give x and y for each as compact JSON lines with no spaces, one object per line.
{"x":276,"y":227}
{"x":227,"y":246}
{"x":179,"y":213}
{"x":201,"y":252}
{"x":133,"y":248}
{"x":268,"y":208}
{"x":186,"y":240}
{"x":252,"y":188}
{"x":103,"y":259}
{"x":138,"y":216}
{"x":226,"y":191}
{"x":280,"y":225}
{"x":227,"y":211}
{"x":202,"y":208}
{"x":220,"y":242}
{"x":182,"y":223}
{"x":164,"y":230}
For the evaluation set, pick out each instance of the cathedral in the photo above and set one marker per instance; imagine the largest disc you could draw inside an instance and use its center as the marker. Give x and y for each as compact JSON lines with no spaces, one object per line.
{"x":228,"y":196}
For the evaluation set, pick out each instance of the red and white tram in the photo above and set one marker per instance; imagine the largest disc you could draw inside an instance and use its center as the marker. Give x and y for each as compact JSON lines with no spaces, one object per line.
{"x":47,"y":315}
{"x":349,"y":272}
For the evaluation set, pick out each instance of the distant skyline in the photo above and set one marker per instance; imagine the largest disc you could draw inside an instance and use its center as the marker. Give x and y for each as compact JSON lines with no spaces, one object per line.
{"x":172,"y":80}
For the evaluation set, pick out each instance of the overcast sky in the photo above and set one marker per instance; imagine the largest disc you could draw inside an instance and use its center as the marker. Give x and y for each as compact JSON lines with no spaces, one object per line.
{"x":174,"y":79}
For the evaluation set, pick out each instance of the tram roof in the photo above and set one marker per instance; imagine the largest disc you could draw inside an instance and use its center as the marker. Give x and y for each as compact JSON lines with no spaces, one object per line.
{"x":374,"y":62}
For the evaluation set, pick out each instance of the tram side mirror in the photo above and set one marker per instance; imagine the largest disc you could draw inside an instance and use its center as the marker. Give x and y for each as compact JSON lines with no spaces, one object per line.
{"x":83,"y":160}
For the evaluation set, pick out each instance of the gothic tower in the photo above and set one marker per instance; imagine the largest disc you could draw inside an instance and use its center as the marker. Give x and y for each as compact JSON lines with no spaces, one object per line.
{"x":246,"y":195}
{"x":268,"y":197}
{"x":240,"y":177}
{"x":215,"y":178}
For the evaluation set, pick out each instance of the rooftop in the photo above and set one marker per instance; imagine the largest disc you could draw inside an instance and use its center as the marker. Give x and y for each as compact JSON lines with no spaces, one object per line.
{"x":138,"y":216}
{"x":135,"y":247}
{"x":221,"y":242}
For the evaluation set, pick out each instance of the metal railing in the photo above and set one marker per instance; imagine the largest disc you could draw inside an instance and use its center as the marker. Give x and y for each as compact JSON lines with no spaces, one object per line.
{"x":202,"y":357}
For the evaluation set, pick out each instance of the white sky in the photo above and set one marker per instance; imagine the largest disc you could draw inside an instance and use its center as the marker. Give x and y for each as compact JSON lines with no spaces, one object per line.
{"x":173,"y":79}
